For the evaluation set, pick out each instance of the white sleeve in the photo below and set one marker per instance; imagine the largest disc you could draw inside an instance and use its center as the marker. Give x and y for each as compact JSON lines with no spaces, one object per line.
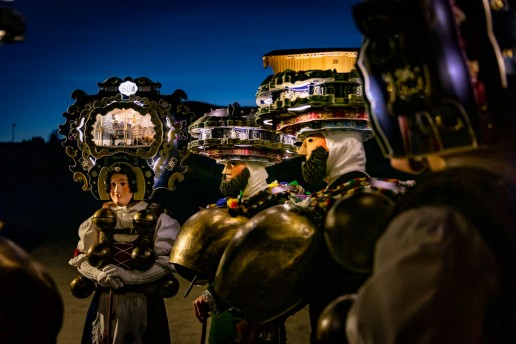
{"x":167,"y":229}
{"x":88,"y":236}
{"x":87,"y":270}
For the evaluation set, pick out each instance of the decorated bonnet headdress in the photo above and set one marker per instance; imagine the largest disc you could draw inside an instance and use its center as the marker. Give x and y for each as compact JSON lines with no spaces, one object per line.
{"x":127,"y":125}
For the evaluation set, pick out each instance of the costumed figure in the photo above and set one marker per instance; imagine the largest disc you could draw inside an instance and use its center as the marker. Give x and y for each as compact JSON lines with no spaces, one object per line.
{"x":31,"y":308}
{"x":123,"y":254}
{"x":444,"y":269}
{"x":352,"y":210}
{"x":231,"y":137}
{"x":124,"y":247}
{"x":305,"y":264}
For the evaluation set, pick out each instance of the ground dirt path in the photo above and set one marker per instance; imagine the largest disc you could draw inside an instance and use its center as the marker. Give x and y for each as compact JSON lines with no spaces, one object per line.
{"x":184,"y":327}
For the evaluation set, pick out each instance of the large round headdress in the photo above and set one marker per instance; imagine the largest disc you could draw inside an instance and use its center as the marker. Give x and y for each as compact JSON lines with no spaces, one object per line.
{"x":228,"y":134}
{"x":312,"y":90}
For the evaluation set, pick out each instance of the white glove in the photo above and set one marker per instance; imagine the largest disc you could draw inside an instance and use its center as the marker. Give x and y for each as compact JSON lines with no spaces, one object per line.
{"x":127,"y":276}
{"x":107,"y":278}
{"x":104,"y":277}
{"x":138,"y":277}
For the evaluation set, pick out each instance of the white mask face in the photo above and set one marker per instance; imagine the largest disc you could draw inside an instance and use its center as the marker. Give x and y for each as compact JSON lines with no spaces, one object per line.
{"x":120,"y":191}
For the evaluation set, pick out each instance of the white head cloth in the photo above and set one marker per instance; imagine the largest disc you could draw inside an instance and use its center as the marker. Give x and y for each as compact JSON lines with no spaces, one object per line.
{"x":257,"y":181}
{"x":346,"y":153}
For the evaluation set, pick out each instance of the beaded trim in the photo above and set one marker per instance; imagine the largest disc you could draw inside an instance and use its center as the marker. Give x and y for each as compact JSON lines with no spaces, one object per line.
{"x":323,"y":199}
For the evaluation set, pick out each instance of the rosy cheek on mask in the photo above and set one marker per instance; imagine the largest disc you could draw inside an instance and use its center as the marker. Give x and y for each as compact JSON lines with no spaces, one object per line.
{"x":310,"y":144}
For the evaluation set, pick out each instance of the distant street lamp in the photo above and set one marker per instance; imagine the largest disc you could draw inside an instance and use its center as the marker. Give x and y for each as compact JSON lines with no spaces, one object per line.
{"x":14,"y":125}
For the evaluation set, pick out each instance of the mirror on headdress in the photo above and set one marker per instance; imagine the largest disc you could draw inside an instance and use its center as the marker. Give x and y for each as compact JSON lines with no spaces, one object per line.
{"x":127,"y":120}
{"x":126,"y":128}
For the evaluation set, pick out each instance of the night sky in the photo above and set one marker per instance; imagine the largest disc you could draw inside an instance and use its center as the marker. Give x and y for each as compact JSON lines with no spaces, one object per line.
{"x":212,"y":50}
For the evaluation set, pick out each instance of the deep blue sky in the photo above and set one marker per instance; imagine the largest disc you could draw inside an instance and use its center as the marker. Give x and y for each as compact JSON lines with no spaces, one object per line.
{"x":210,"y":49}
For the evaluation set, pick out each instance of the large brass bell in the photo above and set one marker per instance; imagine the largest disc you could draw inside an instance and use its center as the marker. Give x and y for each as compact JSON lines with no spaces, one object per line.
{"x":104,"y":219}
{"x":266,"y":266}
{"x":331,"y":325}
{"x":99,"y":255}
{"x":81,"y":287}
{"x":352,"y":226}
{"x":144,"y":220}
{"x":168,"y":286}
{"x":143,"y":258}
{"x":201,"y":241}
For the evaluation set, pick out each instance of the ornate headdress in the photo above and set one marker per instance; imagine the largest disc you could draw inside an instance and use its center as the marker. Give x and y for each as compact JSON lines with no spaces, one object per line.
{"x":227,"y":134}
{"x":312,"y":90}
{"x":127,"y":124}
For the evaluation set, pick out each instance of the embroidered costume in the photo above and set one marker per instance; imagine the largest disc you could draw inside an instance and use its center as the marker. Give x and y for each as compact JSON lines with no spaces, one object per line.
{"x":136,"y":311}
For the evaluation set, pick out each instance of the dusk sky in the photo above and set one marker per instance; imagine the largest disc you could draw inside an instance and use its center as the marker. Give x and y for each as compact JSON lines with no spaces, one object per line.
{"x":212,"y":50}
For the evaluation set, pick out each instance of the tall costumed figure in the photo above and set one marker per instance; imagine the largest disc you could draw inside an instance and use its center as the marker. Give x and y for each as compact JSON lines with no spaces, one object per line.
{"x":123,"y":143}
{"x":439,"y":79}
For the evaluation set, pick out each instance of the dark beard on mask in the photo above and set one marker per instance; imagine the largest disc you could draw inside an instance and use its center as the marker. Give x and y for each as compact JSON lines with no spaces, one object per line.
{"x":233,"y":187}
{"x":314,"y":170}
